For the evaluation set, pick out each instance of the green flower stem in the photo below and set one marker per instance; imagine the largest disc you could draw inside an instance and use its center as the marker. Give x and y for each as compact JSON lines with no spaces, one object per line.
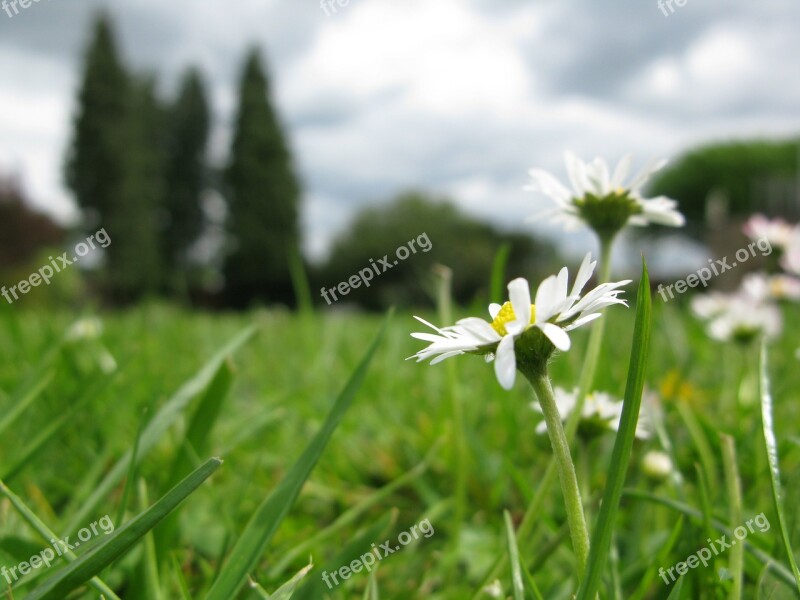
{"x":595,"y":342}
{"x":566,"y":469}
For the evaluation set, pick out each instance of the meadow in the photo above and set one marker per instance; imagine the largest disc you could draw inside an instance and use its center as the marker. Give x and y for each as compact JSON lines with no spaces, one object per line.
{"x":77,"y":408}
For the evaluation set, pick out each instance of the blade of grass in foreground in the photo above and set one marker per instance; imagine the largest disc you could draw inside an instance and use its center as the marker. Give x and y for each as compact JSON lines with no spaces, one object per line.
{"x":47,"y":534}
{"x":314,"y":588}
{"x":87,"y":566}
{"x":781,"y":573}
{"x":513,"y":557}
{"x":158,"y":426}
{"x":267,"y":517}
{"x":774,"y":463}
{"x":601,"y":537}
{"x":676,"y":593}
{"x":733,"y":485}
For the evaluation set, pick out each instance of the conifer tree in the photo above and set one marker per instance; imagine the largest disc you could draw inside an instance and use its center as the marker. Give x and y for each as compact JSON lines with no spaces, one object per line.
{"x":263,"y":196}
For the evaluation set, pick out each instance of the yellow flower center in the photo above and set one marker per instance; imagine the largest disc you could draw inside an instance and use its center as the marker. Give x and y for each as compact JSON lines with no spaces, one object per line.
{"x":506,"y":315}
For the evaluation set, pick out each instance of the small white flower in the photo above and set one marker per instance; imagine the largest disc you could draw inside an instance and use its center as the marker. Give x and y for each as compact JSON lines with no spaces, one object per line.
{"x":776,"y":231}
{"x":761,"y":286}
{"x":740,"y":316}
{"x":657,"y":464}
{"x":603,"y":200}
{"x":87,"y":328}
{"x":556,"y":312}
{"x":600,"y":411}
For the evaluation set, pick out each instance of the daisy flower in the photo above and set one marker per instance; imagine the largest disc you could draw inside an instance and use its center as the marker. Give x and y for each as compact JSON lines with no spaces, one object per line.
{"x":739,"y":317}
{"x":601,"y":412}
{"x":776,"y":231}
{"x":761,"y":286}
{"x":521,"y":333}
{"x":604,"y":200}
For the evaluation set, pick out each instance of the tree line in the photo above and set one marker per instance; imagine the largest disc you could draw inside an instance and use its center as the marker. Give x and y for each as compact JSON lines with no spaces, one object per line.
{"x":138,"y":166}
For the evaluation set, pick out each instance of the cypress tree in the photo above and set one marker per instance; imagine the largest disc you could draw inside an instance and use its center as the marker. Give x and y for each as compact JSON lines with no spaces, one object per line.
{"x":263,"y":196}
{"x":95,"y":160}
{"x":134,"y":258}
{"x":186,"y":174}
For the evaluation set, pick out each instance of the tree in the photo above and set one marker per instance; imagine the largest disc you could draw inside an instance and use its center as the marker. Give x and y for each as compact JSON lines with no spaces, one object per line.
{"x":115,"y":166}
{"x":263,"y":196}
{"x":186,"y":172}
{"x":95,"y":159}
{"x":458,"y":241}
{"x":134,"y":260}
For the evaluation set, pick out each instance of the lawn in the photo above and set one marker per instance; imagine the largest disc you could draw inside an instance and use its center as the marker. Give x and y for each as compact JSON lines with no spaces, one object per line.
{"x":395,"y":460}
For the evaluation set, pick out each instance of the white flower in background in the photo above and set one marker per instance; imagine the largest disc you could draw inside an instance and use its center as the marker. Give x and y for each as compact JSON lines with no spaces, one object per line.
{"x":761,"y":286}
{"x":738,"y":317}
{"x":777,"y":231}
{"x":539,"y":329}
{"x":600,"y":412}
{"x":791,"y":256}
{"x":603,"y":200}
{"x":88,"y":328}
{"x":657,"y":464}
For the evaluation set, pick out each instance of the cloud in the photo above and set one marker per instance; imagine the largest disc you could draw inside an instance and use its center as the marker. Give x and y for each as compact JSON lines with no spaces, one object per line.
{"x":457,"y":97}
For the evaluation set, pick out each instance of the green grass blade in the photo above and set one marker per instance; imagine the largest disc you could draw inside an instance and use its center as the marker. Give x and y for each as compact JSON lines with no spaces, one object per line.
{"x":774,"y":463}
{"x":497,"y":287}
{"x":195,"y":444}
{"x":47,"y":534}
{"x":531,"y":583}
{"x":159,"y":424}
{"x":351,"y":515}
{"x":513,"y":557}
{"x":267,"y":517}
{"x":77,"y":573}
{"x":286,"y":591}
{"x":677,"y":590}
{"x":131,"y":478}
{"x":23,"y":398}
{"x":53,"y":428}
{"x":733,"y":487}
{"x":371,"y":592}
{"x":601,"y":538}
{"x":315,"y":588}
{"x":777,"y":569}
{"x":302,"y":290}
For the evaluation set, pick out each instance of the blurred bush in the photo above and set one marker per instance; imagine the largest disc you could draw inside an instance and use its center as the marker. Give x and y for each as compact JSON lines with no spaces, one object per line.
{"x":465,"y":244}
{"x":723,"y":183}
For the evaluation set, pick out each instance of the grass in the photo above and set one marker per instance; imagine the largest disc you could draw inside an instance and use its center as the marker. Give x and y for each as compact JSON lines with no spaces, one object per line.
{"x":282,"y":385}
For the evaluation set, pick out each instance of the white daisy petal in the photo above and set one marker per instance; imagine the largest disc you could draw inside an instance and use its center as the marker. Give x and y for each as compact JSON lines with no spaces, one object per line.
{"x":584,"y":274}
{"x":621,"y":171}
{"x":519,"y":292}
{"x":505,"y":363}
{"x":582,"y":321}
{"x":494,"y":308}
{"x":556,"y":335}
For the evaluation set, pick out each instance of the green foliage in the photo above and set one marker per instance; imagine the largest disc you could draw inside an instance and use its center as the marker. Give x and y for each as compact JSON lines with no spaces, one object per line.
{"x":280,"y":393}
{"x":458,"y":241}
{"x":134,"y":261}
{"x":263,"y":196}
{"x":186,"y":171}
{"x":95,"y":163}
{"x":744,"y":171}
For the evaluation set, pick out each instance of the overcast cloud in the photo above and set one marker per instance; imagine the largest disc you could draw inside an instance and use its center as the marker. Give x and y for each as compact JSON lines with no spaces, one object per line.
{"x":458,"y":97}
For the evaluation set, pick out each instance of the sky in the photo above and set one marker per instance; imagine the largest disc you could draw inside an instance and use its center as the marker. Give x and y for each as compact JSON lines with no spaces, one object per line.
{"x":460,"y":98}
